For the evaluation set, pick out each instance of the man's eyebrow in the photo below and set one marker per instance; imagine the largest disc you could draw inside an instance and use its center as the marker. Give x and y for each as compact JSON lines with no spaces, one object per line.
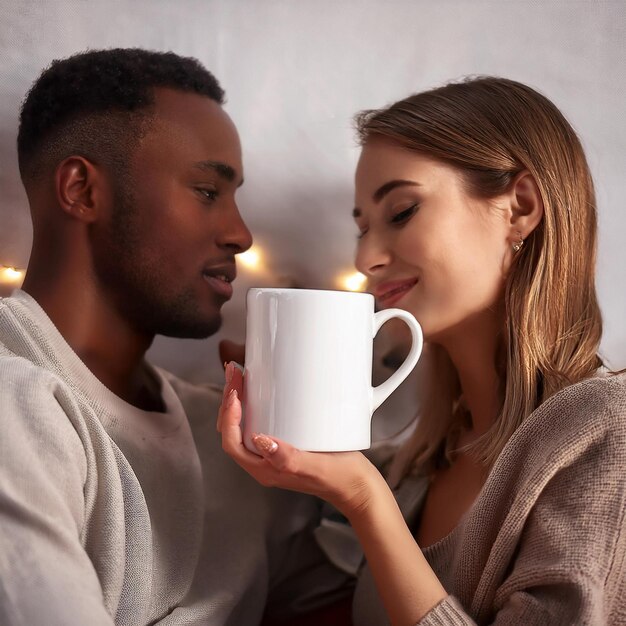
{"x":225,"y":171}
{"x":383,"y":190}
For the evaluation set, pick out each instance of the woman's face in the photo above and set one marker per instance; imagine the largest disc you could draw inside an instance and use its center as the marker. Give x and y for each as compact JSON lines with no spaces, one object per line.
{"x":425,"y":244}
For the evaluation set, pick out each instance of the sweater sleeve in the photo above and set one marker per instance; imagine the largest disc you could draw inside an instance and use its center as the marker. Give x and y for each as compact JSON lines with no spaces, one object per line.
{"x":46,"y":577}
{"x":569,"y":561}
{"x":569,"y":552}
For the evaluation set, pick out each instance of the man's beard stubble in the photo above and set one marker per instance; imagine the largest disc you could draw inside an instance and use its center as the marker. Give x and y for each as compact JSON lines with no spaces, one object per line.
{"x":133,"y":278}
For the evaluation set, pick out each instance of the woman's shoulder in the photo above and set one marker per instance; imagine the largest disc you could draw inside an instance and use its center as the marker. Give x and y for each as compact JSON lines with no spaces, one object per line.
{"x":599,"y":400}
{"x":588,"y":415}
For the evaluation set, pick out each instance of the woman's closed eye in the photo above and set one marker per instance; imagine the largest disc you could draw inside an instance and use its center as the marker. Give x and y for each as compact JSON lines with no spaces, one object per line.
{"x":398,"y":219}
{"x":404,"y":215}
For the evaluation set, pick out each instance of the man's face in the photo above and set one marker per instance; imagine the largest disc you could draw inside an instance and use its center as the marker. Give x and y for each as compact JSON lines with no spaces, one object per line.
{"x":167,"y":254}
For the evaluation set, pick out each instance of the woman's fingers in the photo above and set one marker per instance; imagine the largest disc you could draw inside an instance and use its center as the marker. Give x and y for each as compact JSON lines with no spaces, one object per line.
{"x":232,"y":441}
{"x":236,"y":379}
{"x":283,"y":456}
{"x":230,"y":425}
{"x":278,"y":458}
{"x":233,"y":375}
{"x":279,"y":454}
{"x":233,"y":380}
{"x":265,"y":445}
{"x":339,"y":477}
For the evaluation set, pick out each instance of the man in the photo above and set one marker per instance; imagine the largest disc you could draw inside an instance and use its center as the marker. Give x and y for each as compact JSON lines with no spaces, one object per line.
{"x":117,"y":505}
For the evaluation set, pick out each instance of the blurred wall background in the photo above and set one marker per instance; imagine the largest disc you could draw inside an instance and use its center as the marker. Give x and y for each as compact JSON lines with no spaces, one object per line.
{"x":295,"y":72}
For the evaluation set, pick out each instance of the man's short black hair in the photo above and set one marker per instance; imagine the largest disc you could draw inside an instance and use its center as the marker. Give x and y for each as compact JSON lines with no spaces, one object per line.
{"x":96,"y":103}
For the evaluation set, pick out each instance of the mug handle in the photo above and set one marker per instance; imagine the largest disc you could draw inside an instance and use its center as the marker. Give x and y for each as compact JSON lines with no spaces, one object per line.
{"x":384,"y":390}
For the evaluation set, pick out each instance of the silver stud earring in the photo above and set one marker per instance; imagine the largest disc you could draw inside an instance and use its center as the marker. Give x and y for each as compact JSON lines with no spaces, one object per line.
{"x":517,"y":246}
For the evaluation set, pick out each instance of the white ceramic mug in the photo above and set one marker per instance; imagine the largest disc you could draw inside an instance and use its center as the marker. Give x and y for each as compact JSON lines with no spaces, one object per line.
{"x":308,"y":370}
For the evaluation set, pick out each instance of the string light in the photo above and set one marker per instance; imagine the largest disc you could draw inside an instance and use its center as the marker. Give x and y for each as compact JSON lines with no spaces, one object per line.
{"x":250,"y":258}
{"x":11,"y":276}
{"x":354,"y":282}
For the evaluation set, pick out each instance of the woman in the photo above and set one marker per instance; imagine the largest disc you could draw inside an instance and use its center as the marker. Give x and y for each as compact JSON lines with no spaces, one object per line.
{"x":476,"y":212}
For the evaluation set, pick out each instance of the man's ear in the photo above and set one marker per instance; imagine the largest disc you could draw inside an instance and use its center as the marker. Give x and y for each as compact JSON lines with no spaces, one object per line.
{"x":78,"y":185}
{"x":526,"y":206}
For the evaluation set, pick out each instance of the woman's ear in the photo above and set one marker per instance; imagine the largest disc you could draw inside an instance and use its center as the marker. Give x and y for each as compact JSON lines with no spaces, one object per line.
{"x":77,"y":181}
{"x":526,"y":206}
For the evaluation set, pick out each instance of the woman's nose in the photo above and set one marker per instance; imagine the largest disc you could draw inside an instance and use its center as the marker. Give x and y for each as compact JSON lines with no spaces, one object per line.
{"x":372,"y":255}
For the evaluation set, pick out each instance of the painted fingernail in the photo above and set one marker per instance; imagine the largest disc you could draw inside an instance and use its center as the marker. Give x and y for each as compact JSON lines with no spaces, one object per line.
{"x":228,"y":372}
{"x":264,"y":444}
{"x":231,"y":397}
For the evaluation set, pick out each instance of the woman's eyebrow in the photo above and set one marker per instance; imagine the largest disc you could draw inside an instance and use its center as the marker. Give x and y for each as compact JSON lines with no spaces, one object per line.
{"x":384,"y":189}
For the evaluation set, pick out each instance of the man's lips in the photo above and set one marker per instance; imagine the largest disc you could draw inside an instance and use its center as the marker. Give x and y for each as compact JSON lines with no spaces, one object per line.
{"x":219,"y":278}
{"x":392,"y":291}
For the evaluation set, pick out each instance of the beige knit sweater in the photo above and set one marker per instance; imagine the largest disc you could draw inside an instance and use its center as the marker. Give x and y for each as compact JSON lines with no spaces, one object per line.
{"x":544,"y":543}
{"x":113,"y":515}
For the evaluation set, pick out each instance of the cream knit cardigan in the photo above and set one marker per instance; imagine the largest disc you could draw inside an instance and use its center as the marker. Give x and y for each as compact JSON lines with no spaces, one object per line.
{"x":113,"y":515}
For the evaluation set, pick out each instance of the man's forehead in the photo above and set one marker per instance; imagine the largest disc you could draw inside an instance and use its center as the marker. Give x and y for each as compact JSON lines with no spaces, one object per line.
{"x":197,"y":125}
{"x":194,"y":111}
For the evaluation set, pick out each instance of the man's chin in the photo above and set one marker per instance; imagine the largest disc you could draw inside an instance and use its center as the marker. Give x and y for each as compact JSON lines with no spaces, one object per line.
{"x":193,"y":329}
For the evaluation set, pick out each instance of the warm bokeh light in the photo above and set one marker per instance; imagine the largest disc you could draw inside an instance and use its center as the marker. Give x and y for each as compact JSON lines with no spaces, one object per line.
{"x":11,"y":276}
{"x":354,"y":282}
{"x":250,"y":258}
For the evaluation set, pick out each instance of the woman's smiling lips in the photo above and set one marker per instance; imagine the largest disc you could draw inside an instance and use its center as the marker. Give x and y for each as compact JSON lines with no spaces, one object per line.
{"x":390,"y":292}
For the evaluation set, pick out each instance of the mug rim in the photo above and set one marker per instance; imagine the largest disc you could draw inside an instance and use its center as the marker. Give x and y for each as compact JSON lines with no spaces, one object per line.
{"x":309,"y":291}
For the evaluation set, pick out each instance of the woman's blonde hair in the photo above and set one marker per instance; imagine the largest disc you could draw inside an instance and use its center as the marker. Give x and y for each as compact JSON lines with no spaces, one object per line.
{"x":490,"y":130}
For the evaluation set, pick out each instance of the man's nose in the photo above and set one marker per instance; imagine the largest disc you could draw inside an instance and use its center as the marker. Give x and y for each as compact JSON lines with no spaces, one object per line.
{"x":235,"y":236}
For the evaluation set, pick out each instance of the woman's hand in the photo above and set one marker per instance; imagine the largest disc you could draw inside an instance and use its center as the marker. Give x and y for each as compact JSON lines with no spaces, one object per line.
{"x":345,"y":479}
{"x":406,"y":583}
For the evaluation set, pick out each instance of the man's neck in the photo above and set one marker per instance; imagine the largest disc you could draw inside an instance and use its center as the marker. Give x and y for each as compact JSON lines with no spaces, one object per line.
{"x":105,"y":342}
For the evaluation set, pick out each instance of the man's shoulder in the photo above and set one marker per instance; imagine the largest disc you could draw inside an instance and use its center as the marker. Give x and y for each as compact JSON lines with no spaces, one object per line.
{"x":19,"y":375}
{"x":36,"y":400}
{"x":37,"y":417}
